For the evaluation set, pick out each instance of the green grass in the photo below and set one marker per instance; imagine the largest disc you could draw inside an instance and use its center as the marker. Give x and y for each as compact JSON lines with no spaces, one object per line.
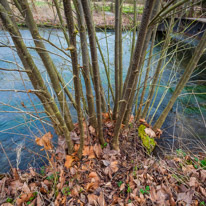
{"x":128,"y":9}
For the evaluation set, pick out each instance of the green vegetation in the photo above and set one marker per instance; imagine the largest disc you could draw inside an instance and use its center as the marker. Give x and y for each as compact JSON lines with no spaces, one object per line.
{"x":149,"y":143}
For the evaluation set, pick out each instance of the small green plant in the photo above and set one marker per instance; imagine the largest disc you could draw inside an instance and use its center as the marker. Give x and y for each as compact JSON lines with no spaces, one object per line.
{"x":119,"y":183}
{"x":180,"y":152}
{"x":9,"y":200}
{"x":104,"y":145}
{"x":135,"y":171}
{"x":202,"y":203}
{"x":66,"y":191}
{"x":42,"y":171}
{"x":129,"y":201}
{"x":203,"y":163}
{"x":145,"y":191}
{"x":50,"y":177}
{"x":129,"y":190}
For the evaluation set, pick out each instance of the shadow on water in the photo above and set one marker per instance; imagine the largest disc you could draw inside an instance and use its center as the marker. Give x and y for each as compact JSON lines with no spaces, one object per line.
{"x":18,"y":130}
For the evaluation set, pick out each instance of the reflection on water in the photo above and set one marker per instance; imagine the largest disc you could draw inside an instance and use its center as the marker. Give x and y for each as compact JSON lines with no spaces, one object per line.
{"x":20,"y":128}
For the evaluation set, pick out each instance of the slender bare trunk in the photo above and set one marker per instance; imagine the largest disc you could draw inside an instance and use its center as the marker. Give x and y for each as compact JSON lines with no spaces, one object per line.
{"x":141,"y":64}
{"x":35,"y":76}
{"x":47,"y":61}
{"x":116,"y":58}
{"x":75,"y":67}
{"x":95,"y":66}
{"x":85,"y":59}
{"x":134,"y":70}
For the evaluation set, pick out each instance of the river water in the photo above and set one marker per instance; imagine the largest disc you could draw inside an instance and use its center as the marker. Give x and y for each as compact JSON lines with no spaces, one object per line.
{"x":18,"y":129}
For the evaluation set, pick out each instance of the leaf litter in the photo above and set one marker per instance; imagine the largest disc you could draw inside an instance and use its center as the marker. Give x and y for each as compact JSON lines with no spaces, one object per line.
{"x":106,"y":177}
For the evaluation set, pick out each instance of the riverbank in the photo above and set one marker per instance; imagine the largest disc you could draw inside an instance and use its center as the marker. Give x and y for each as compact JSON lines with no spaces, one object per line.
{"x":106,"y":177}
{"x":45,"y":16}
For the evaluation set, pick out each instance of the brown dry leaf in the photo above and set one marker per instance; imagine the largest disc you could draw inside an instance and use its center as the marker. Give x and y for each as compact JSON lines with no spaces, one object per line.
{"x":105,"y":116}
{"x":92,"y":186}
{"x":6,"y":204}
{"x":101,"y":200}
{"x":112,"y":168}
{"x":69,"y":160}
{"x":33,"y":186}
{"x":193,"y":182}
{"x":76,"y":147}
{"x":92,"y":199}
{"x":32,"y":172}
{"x":15,"y":185}
{"x":23,"y":198}
{"x":61,"y":146}
{"x":15,"y":173}
{"x":203,"y":191}
{"x":88,"y":151}
{"x":94,"y":177}
{"x":203,"y":175}
{"x":142,"y":120}
{"x":45,"y":141}
{"x":92,"y":130}
{"x":97,"y":150}
{"x":25,"y":188}
{"x":186,"y":196}
{"x":150,"y":132}
{"x":122,"y":187}
{"x":75,"y":191}
{"x":61,"y":179}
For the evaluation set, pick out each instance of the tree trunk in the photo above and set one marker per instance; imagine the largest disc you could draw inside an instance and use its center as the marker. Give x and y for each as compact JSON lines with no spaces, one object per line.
{"x":134,"y":70}
{"x":35,"y":76}
{"x":85,"y":60}
{"x":75,"y":67}
{"x":95,"y":66}
{"x":116,"y":58}
{"x":47,"y":61}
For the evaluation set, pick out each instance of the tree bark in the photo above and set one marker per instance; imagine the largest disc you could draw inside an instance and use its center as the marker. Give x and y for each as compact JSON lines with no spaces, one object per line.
{"x":75,"y":67}
{"x":47,"y":61}
{"x":85,"y":60}
{"x":35,"y":76}
{"x":95,"y":66}
{"x":134,"y":70}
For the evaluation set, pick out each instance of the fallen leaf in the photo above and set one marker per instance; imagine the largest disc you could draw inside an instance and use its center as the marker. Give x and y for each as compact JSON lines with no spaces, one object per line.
{"x":45,"y":141}
{"x":24,"y":198}
{"x":75,"y":191}
{"x":97,"y":150}
{"x":69,"y":160}
{"x":92,"y":199}
{"x":92,"y":186}
{"x":150,"y":132}
{"x":61,"y":146}
{"x":15,"y":186}
{"x":15,"y":173}
{"x":92,"y":130}
{"x":193,"y":182}
{"x":88,"y":151}
{"x":94,"y":177}
{"x":186,"y":197}
{"x":203,"y":191}
{"x":25,"y":188}
{"x":101,"y":200}
{"x":112,"y":168}
{"x":32,"y":172}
